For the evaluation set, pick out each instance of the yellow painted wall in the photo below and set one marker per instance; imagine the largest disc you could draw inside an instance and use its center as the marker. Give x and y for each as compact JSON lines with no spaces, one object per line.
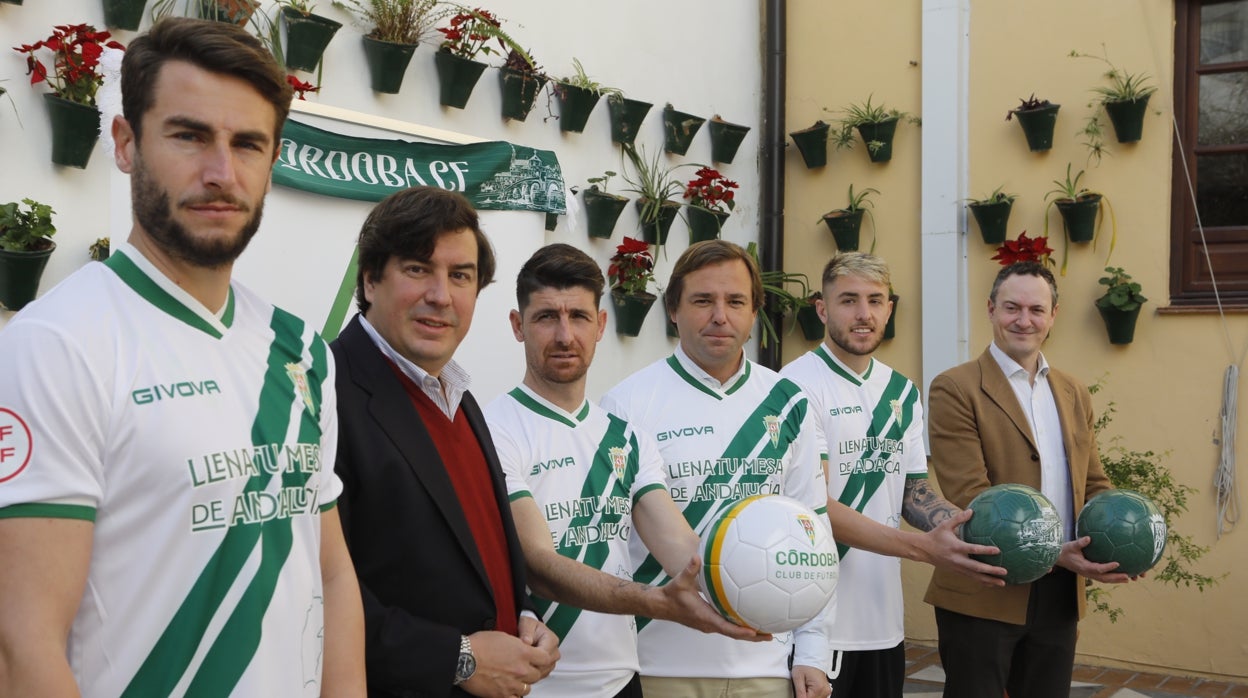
{"x":1167,"y":384}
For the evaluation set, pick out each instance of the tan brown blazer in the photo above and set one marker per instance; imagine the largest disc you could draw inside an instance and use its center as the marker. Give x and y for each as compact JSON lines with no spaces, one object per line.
{"x":980,"y":437}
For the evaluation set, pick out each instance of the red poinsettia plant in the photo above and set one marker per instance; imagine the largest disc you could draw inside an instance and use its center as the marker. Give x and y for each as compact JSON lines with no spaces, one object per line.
{"x":632,"y":267}
{"x":1024,"y":249}
{"x":470,"y":32}
{"x":300,"y":87}
{"x":711,"y":190}
{"x":76,"y":50}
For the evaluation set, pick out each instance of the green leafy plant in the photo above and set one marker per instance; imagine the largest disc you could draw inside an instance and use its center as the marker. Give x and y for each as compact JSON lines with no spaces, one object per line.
{"x":26,"y":230}
{"x":856,"y":115}
{"x":1068,"y":190}
{"x":303,"y":7}
{"x":650,"y":181}
{"x":1029,"y":104}
{"x":1121,"y":292}
{"x":783,"y":291}
{"x":1123,"y":86}
{"x":1144,"y":472}
{"x":470,"y":31}
{"x":603,"y":180}
{"x":399,"y":21}
{"x":996,"y":197}
{"x":5,"y":93}
{"x":100,"y":249}
{"x":1093,"y":135}
{"x":582,"y":80}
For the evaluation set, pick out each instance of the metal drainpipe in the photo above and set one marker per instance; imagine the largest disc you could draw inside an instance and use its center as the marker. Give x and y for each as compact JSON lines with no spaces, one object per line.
{"x":771,"y":215}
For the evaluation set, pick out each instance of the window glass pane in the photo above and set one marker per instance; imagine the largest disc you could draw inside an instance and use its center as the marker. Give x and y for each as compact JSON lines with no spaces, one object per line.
{"x":1224,"y":32}
{"x":1222,"y":190}
{"x":1223,"y":109}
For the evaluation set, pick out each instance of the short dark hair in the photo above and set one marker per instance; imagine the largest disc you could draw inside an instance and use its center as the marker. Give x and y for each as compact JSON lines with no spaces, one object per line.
{"x":217,"y":47}
{"x":1025,"y":269}
{"x":559,"y":266}
{"x":704,"y":254}
{"x":407,"y":224}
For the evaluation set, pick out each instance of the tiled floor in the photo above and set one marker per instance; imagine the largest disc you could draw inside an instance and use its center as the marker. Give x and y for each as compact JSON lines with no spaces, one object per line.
{"x":924,"y":679}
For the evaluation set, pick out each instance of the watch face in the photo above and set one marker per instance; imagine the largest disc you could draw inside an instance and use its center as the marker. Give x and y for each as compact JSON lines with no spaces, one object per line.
{"x":466,"y":667}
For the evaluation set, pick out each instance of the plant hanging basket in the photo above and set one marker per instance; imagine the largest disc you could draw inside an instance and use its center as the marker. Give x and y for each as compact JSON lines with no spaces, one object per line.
{"x":812,"y":143}
{"x":307,"y":36}
{"x":1038,"y":126}
{"x":880,"y":133}
{"x":630,"y":311}
{"x":725,"y":139}
{"x":602,"y":210}
{"x":890,"y":327}
{"x":845,"y":227}
{"x":704,"y":224}
{"x":626,"y":117}
{"x":122,"y":14}
{"x":519,"y":89}
{"x":387,"y":63}
{"x":1079,"y":216}
{"x":654,"y":231}
{"x":456,"y":78}
{"x":19,"y":275}
{"x":812,"y":326}
{"x":75,"y":129}
{"x":575,"y":106}
{"x":679,"y":128}
{"x":1127,"y":117}
{"x":1119,"y":324}
{"x":992,"y":219}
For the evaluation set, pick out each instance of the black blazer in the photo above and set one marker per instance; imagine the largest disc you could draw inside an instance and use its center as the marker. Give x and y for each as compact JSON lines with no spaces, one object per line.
{"x":421,"y":576}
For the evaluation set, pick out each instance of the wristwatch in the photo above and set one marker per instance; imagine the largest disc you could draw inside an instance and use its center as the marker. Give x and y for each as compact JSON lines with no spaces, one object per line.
{"x":467,"y":664}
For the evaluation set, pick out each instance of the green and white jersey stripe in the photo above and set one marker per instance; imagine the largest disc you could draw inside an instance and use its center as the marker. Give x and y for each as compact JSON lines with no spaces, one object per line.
{"x":585,"y":470}
{"x":873,"y":428}
{"x":201,"y":446}
{"x":752,"y":435}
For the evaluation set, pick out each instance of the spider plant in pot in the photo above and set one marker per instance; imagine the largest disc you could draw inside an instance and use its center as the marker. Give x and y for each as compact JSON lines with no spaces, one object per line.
{"x":992,"y":213}
{"x":1037,"y":117}
{"x":711,"y":200}
{"x":307,"y":33}
{"x":1081,"y":212}
{"x":25,"y":245}
{"x":1125,"y":98}
{"x":602,"y":208}
{"x":845,"y":223}
{"x":393,"y":28}
{"x":876,"y":125}
{"x":1120,"y":306}
{"x":577,"y":97}
{"x":656,"y":190}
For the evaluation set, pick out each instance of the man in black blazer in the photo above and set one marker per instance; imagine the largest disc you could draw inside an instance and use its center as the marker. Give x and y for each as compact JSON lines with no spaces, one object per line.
{"x":424,"y":507}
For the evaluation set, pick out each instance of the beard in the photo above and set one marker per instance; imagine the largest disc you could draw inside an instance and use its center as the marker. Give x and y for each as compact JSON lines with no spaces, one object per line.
{"x":843,"y":338}
{"x":153,"y":212}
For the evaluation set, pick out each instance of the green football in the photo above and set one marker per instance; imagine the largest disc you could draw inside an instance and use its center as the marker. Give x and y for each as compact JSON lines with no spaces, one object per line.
{"x":1021,"y":522}
{"x":1125,"y":527}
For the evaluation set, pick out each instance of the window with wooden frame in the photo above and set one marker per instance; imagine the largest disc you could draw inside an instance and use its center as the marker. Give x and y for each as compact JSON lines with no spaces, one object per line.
{"x":1211,"y":108}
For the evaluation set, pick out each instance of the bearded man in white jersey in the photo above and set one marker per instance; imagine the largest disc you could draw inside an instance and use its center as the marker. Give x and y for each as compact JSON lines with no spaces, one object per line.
{"x":169,"y":527}
{"x":708,"y":403}
{"x":876,"y":465}
{"x":580,"y":481}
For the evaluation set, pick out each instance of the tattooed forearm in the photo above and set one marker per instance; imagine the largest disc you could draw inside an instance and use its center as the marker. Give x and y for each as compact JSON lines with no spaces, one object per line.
{"x":922,"y":508}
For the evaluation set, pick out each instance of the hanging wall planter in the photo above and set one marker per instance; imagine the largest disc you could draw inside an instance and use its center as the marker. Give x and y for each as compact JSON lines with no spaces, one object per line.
{"x":575,"y":106}
{"x":122,"y":14}
{"x":845,"y":227}
{"x":519,"y":89}
{"x":879,"y":138}
{"x":679,"y":129}
{"x":812,"y":143}
{"x":630,"y":311}
{"x":307,"y":36}
{"x":1119,"y":324}
{"x":808,"y":319}
{"x":20,"y":273}
{"x":655,"y":229}
{"x":992,"y":217}
{"x":1127,"y":116}
{"x":626,"y":117}
{"x":231,"y":11}
{"x":669,"y":327}
{"x":456,"y":78}
{"x":725,"y":139}
{"x":602,"y":210}
{"x":10,"y":2}
{"x":387,"y":63}
{"x":890,"y":327}
{"x":1037,"y":117}
{"x":75,"y":129}
{"x":704,"y":223}
{"x":1079,"y":216}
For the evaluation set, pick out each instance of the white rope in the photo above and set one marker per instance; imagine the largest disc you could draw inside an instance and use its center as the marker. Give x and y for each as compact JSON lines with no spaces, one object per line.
{"x":1224,"y":476}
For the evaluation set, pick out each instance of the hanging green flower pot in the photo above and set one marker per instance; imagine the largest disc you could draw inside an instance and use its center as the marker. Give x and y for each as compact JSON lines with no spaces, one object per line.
{"x":812,"y":143}
{"x":19,"y":275}
{"x":575,"y":106}
{"x":456,"y":78}
{"x":11,"y":2}
{"x":845,"y":226}
{"x":669,"y":327}
{"x":602,"y":211}
{"x":626,"y":117}
{"x":725,"y":139}
{"x":1079,"y":216}
{"x":1119,"y":324}
{"x":519,"y":89}
{"x":75,"y":129}
{"x":630,"y":311}
{"x":704,"y":223}
{"x":679,"y":129}
{"x":808,"y":319}
{"x":387,"y":62}
{"x":992,"y":219}
{"x":654,"y":230}
{"x":1127,"y":117}
{"x":879,"y":138}
{"x":1038,"y":126}
{"x":890,"y":327}
{"x":306,"y":38}
{"x":122,"y":14}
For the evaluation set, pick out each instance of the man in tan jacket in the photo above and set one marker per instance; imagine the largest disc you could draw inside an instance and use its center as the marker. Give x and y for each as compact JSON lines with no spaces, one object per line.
{"x":1007,"y":417}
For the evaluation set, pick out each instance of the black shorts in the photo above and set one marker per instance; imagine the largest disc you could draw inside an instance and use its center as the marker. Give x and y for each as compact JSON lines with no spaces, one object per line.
{"x":869,"y":673}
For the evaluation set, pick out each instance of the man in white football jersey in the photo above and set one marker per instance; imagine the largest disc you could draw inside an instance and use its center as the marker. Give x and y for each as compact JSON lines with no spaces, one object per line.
{"x":580,"y":480}
{"x":876,"y":465}
{"x":167,"y":494}
{"x":727,"y":428}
